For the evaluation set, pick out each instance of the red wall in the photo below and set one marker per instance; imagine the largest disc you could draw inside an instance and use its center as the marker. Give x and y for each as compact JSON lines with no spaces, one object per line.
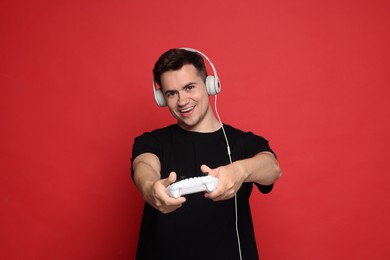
{"x":311,"y":76}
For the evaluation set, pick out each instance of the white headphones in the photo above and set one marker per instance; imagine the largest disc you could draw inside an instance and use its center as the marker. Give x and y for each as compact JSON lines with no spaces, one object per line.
{"x":213,"y":85}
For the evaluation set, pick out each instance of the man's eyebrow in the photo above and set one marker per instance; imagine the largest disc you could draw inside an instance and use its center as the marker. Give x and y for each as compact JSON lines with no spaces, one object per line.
{"x":189,"y":84}
{"x":183,"y":87}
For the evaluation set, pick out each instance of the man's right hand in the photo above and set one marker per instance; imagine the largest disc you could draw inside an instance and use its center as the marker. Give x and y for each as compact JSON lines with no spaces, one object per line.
{"x":158,"y":196}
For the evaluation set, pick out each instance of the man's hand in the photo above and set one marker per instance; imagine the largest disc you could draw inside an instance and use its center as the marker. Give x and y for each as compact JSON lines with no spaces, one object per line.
{"x":147,"y":169}
{"x":229,"y":181}
{"x":158,"y":197}
{"x":263,"y":168}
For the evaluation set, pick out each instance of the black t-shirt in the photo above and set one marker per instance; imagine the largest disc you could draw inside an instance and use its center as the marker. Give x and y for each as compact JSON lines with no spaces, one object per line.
{"x":201,"y":228}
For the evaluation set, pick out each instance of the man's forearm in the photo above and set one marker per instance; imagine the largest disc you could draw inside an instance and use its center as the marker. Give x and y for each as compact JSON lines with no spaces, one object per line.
{"x":146,"y":172}
{"x":263,"y":168}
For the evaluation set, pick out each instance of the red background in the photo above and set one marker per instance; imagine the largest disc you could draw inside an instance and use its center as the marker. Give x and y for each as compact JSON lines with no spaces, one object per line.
{"x":310,"y":76}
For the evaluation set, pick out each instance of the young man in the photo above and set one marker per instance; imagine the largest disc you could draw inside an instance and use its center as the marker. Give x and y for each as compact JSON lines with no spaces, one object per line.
{"x":199,"y":225}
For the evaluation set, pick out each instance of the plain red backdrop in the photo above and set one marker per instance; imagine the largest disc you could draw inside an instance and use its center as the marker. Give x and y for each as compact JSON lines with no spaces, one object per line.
{"x":310,"y":76}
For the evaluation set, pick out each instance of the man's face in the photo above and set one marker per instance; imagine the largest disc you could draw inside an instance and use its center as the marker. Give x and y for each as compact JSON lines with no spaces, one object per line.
{"x":187,"y":98}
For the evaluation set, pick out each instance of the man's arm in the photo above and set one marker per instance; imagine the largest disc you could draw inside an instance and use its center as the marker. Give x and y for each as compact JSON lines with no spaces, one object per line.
{"x":263,"y":169}
{"x":148,"y":181}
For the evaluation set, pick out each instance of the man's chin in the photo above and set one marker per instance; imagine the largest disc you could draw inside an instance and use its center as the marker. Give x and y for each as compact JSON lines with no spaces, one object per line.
{"x":186,"y":126}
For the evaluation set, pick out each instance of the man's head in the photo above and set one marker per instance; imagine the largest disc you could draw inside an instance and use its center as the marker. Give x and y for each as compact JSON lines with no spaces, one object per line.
{"x":175,"y":59}
{"x":181,"y":75}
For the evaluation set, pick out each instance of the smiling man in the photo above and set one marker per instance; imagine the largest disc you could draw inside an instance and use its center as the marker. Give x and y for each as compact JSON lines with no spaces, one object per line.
{"x":210,"y":225}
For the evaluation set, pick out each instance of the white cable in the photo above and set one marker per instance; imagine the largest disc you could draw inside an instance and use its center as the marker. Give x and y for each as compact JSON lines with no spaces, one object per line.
{"x":223,"y":129}
{"x":230,"y":159}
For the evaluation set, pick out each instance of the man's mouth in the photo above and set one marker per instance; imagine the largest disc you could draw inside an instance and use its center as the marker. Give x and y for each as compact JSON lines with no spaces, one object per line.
{"x":186,"y":110}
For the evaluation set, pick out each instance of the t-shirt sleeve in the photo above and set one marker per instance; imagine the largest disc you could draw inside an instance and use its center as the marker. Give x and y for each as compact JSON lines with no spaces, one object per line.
{"x":146,"y":143}
{"x":255,"y":144}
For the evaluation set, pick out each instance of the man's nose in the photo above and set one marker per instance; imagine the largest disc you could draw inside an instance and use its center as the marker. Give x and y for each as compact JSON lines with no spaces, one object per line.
{"x":183,"y":99}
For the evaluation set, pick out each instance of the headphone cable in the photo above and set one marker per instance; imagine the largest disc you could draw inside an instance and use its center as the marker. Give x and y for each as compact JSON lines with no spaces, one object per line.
{"x":230,"y":159}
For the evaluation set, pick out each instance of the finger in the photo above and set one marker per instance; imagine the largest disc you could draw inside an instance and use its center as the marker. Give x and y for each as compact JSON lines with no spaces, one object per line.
{"x":171,"y":179}
{"x":172,"y":208}
{"x":175,"y":202}
{"x":179,"y":201}
{"x":217,"y":196}
{"x":205,"y":169}
{"x":216,"y":193}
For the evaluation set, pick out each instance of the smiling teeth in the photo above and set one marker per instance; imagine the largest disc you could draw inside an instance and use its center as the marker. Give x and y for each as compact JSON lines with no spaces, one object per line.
{"x":186,"y":110}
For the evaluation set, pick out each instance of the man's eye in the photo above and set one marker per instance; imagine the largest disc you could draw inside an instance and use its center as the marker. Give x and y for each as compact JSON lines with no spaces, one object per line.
{"x":189,"y":87}
{"x":169,"y":93}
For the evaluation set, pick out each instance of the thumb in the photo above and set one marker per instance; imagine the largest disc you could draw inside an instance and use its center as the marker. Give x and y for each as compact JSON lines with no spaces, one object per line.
{"x":205,"y":169}
{"x":171,"y":179}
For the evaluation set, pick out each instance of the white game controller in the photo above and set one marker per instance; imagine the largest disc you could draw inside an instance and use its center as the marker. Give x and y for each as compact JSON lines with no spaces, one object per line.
{"x":192,"y":185}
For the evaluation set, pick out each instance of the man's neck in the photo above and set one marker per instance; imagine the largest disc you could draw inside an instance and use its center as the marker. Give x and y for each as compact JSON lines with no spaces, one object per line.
{"x":208,"y":125}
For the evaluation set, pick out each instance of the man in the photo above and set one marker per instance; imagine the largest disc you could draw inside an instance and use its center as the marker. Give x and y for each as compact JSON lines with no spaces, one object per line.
{"x":199,"y":225}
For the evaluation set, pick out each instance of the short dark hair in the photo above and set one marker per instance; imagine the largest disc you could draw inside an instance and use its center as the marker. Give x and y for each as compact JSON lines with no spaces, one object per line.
{"x":175,"y":59}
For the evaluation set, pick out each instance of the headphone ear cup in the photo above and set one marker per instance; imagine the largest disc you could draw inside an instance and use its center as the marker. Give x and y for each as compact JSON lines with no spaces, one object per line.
{"x":212,"y":85}
{"x":158,"y":95}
